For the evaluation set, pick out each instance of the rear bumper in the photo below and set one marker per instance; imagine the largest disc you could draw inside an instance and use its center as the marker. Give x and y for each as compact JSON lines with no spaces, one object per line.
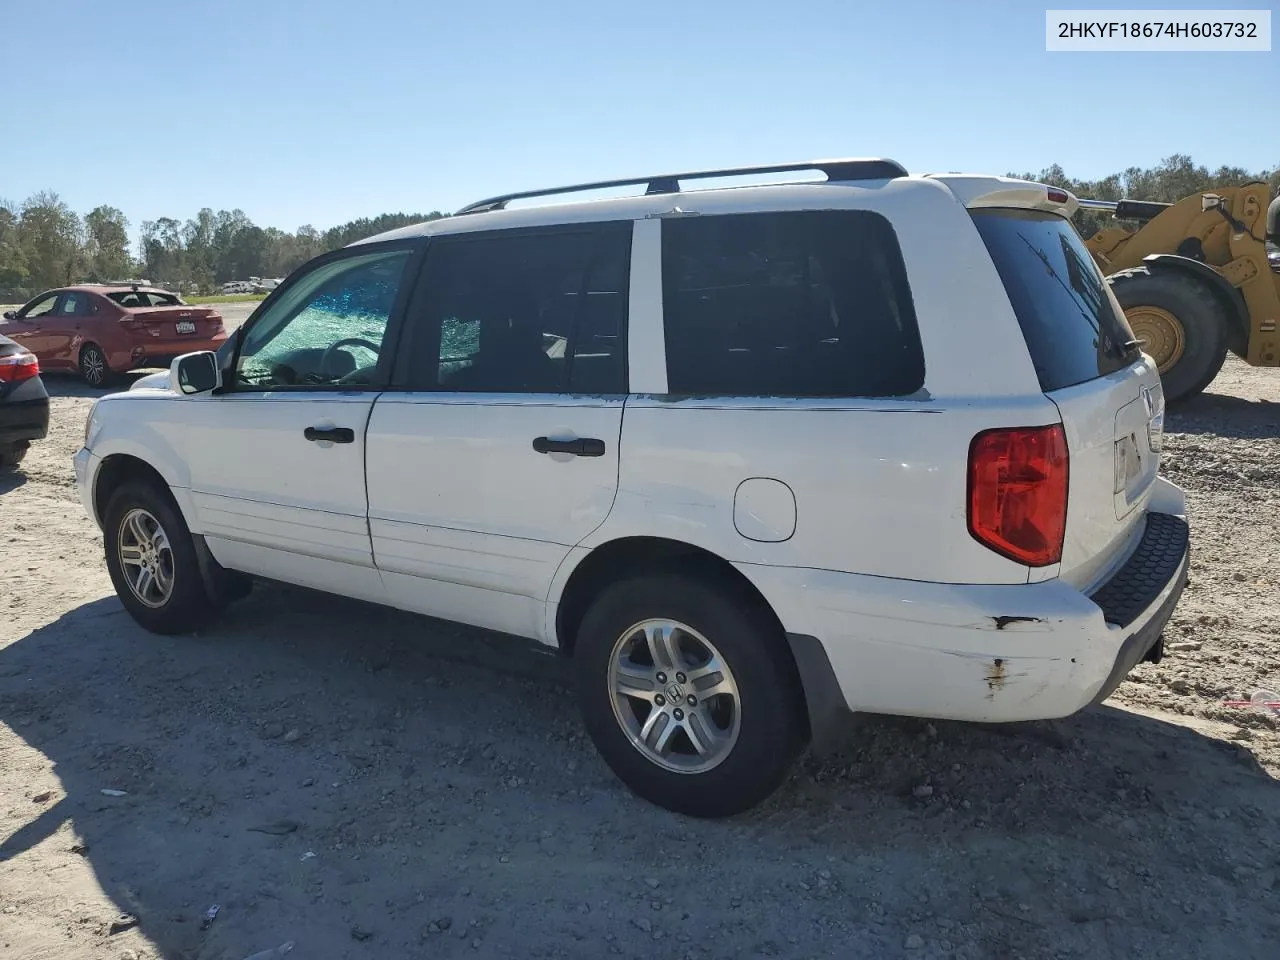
{"x":160,"y":353}
{"x":975,"y":652}
{"x":22,"y":421}
{"x":1141,"y":596}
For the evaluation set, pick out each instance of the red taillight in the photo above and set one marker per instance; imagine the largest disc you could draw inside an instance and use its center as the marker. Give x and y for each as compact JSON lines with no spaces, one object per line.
{"x":1057,"y":196}
{"x":19,"y":366}
{"x":1018,"y":492}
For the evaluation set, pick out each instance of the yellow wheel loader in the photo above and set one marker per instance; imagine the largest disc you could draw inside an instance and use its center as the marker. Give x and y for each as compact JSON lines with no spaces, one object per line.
{"x":1197,"y":278}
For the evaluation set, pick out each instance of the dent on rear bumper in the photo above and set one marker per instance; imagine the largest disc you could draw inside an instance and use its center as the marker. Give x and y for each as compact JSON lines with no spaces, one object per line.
{"x":159,"y":353}
{"x":959,"y":652}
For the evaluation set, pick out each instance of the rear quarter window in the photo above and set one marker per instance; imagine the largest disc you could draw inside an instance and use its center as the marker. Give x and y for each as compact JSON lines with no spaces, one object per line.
{"x":1075,"y":331}
{"x":804,"y":304}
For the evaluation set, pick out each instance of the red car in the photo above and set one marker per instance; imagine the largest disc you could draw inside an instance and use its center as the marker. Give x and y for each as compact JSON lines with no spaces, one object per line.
{"x":103,"y":330}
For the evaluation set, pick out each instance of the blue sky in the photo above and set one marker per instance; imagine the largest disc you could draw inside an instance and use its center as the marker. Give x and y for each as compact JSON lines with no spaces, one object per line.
{"x":323,"y":111}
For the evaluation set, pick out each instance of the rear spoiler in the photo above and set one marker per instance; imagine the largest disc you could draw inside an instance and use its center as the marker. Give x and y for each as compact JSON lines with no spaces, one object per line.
{"x":977,"y":192}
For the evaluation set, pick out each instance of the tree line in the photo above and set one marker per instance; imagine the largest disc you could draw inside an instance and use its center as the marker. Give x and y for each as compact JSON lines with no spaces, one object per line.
{"x":44,"y":243}
{"x":1171,"y":180}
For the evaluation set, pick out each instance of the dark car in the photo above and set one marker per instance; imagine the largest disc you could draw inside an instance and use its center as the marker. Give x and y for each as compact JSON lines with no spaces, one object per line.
{"x":24,"y":404}
{"x":103,"y":330}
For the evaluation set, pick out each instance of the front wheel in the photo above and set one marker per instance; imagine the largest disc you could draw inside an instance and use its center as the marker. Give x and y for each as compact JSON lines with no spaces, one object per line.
{"x":689,"y":693}
{"x":152,"y":561}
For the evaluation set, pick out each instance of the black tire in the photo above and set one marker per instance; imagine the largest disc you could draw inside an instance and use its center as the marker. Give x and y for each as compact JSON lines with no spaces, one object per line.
{"x":772,"y":727}
{"x":12,"y":455}
{"x":94,"y":369}
{"x":187,"y":607}
{"x":1204,"y":318}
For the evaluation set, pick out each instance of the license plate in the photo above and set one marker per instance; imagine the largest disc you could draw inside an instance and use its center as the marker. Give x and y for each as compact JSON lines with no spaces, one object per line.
{"x":185,"y":326}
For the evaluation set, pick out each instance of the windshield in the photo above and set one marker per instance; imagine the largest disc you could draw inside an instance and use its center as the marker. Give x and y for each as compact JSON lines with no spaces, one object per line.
{"x":1075,"y":330}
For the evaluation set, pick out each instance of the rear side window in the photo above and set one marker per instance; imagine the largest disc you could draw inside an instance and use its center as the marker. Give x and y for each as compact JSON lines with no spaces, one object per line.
{"x":805,"y":304}
{"x":543,"y":311}
{"x":1069,"y":319}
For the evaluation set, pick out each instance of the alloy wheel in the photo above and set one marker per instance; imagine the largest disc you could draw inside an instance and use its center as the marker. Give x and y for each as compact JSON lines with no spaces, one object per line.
{"x":674,"y":696}
{"x":146,"y":557}
{"x":93,"y":365}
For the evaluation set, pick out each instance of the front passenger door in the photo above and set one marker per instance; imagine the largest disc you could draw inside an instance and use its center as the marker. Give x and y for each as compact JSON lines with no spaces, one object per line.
{"x":32,"y":326}
{"x":277,"y":456}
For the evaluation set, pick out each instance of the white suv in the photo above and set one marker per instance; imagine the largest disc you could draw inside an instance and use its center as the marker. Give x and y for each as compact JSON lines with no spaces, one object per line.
{"x":755,"y":456}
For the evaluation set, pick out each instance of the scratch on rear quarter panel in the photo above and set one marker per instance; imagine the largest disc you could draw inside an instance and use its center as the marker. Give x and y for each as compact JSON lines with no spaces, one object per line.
{"x":996,"y":677}
{"x":1002,"y":622}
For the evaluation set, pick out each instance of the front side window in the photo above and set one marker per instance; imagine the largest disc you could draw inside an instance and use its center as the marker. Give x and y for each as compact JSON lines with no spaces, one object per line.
{"x":804,"y":304}
{"x":41,"y":308}
{"x":328,"y":328}
{"x":541,"y":312}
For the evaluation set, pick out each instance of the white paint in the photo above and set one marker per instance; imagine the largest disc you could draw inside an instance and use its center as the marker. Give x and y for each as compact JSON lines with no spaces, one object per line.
{"x":467,"y":517}
{"x":848,"y":515}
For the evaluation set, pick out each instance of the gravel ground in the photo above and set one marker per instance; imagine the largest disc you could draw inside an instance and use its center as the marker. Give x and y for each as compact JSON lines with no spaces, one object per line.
{"x":367,"y":784}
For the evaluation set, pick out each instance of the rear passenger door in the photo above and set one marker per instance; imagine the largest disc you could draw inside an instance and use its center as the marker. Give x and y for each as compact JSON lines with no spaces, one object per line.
{"x":63,"y":328}
{"x":496,"y":451}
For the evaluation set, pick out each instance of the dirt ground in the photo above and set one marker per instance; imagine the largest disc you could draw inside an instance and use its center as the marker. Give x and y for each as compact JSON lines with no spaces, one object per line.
{"x":365,"y":784}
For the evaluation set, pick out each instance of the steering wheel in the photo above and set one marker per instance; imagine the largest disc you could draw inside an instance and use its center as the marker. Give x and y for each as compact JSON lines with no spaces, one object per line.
{"x":347,"y":342}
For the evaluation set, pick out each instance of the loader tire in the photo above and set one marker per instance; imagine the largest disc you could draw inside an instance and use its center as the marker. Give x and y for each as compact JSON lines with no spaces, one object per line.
{"x":1182,"y":324}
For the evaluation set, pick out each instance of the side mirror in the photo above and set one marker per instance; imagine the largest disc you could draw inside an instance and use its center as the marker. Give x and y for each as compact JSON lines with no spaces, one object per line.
{"x":194,"y":373}
{"x":11,"y":314}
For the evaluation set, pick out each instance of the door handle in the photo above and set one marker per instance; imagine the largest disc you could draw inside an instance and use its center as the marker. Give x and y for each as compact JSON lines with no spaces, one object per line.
{"x":332,"y":434}
{"x":582,"y":447}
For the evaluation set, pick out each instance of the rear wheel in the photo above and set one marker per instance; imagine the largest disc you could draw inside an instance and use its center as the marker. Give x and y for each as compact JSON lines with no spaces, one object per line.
{"x":1182,"y":325}
{"x":152,"y":560}
{"x":93,"y":366}
{"x":689,"y":694}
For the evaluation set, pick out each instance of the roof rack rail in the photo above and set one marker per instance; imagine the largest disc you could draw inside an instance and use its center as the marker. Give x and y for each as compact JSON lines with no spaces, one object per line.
{"x":836,"y":170}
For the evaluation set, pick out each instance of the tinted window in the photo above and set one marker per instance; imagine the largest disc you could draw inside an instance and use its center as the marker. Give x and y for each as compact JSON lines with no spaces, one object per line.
{"x":328,"y":326}
{"x":1073,"y":327}
{"x":73,"y":304}
{"x":523,"y":312}
{"x":144,"y":298}
{"x":810,"y":304}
